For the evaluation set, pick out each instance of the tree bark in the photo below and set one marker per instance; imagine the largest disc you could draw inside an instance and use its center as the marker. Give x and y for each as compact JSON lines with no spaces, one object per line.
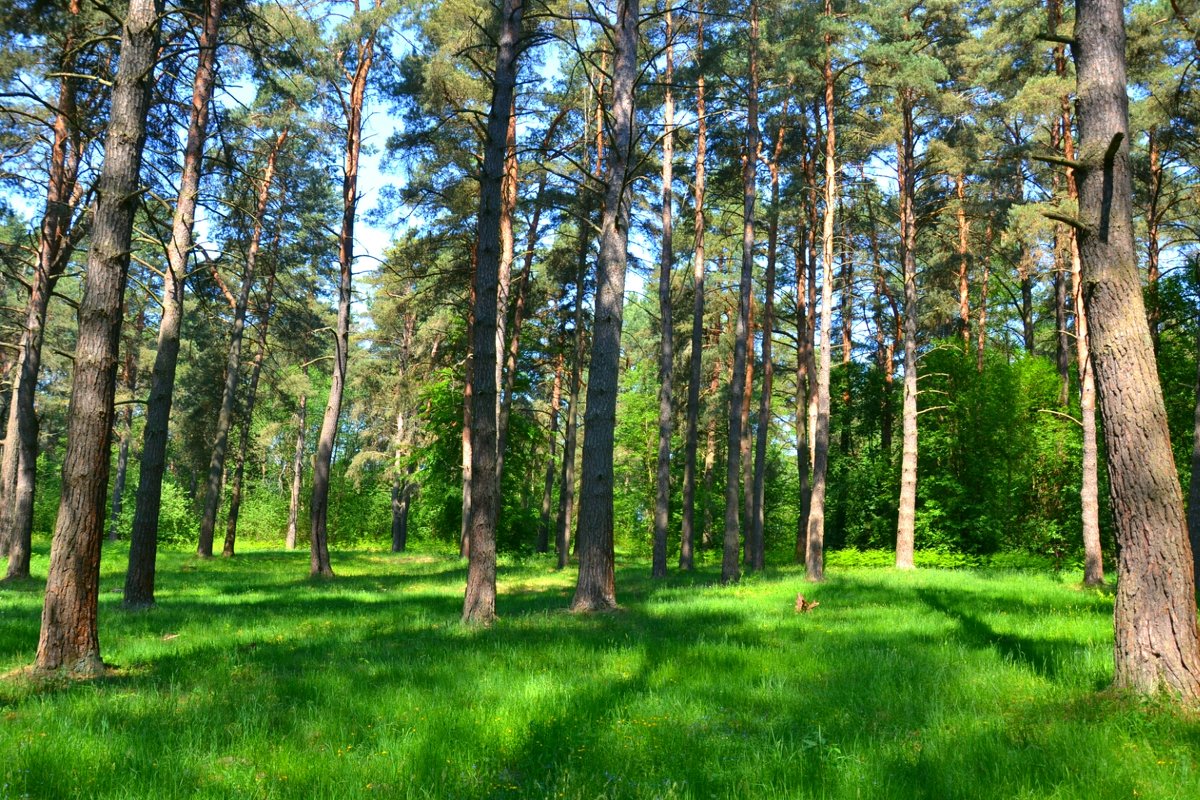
{"x":129,"y":378}
{"x":297,"y":473}
{"x":543,"y":542}
{"x":595,"y":590}
{"x":814,"y":561}
{"x":18,"y":468}
{"x":964,"y":262}
{"x":566,"y":492}
{"x":1156,"y":644}
{"x":318,"y":510}
{"x":1153,"y":220}
{"x":666,"y":352}
{"x":906,"y":520}
{"x":687,"y":542}
{"x":143,"y":538}
{"x":479,"y":603}
{"x":730,"y":571}
{"x":765,"y":410}
{"x":464,"y":539}
{"x":68,"y":640}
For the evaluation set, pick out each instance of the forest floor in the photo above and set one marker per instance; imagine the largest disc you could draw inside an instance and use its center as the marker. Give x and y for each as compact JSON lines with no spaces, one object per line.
{"x":248,"y":680}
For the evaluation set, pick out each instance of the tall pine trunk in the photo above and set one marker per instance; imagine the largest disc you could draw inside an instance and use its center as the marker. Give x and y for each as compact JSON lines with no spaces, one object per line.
{"x":595,"y":590}
{"x":815,"y":558}
{"x":906,"y":519}
{"x":687,"y":541}
{"x":56,"y":240}
{"x":68,"y":639}
{"x":729,"y":562}
{"x":666,"y":351}
{"x":495,"y":248}
{"x":352,"y":109}
{"x":1156,"y":644}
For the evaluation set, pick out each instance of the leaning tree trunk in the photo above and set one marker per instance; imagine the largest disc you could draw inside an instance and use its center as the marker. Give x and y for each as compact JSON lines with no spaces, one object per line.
{"x":906,"y":520}
{"x":216,"y":467}
{"x":495,"y":248}
{"x":1156,"y":643}
{"x":666,"y":351}
{"x":68,"y":639}
{"x":595,"y":590}
{"x":18,"y":468}
{"x":318,"y":509}
{"x":688,"y":535}
{"x":815,"y":557}
{"x":143,"y":537}
{"x":729,"y":560}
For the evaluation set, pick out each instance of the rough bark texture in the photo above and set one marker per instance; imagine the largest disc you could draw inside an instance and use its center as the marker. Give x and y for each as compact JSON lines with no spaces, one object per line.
{"x":297,"y":473}
{"x":687,"y":539}
{"x":905,"y":524}
{"x":508,"y":208}
{"x":814,"y":561}
{"x":18,"y":468}
{"x":1156,"y":645}
{"x":479,"y":603}
{"x":352,"y":108}
{"x":730,"y":571}
{"x":964,"y":262}
{"x":666,"y":351}
{"x":68,"y":640}
{"x":143,"y":539}
{"x":595,"y":590}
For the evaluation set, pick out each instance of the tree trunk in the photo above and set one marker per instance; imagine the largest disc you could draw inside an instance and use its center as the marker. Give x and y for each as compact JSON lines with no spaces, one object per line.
{"x":964,"y":263}
{"x":479,"y":603}
{"x":729,"y":563}
{"x":297,"y":473}
{"x":566,"y":492}
{"x":318,"y":510}
{"x":143,"y":538}
{"x":687,"y":541}
{"x":666,"y":353}
{"x":1153,"y":219}
{"x":595,"y":590}
{"x":905,"y":525}
{"x":543,"y":542}
{"x":747,"y":457}
{"x":765,"y":411}
{"x":399,"y":492}
{"x":1156,"y":643}
{"x":214,"y":488}
{"x":988,"y":238}
{"x":129,"y":378}
{"x":18,"y":468}
{"x":239,"y":468}
{"x":68,"y":640}
{"x":464,"y":539}
{"x":508,"y":208}
{"x":814,"y":561}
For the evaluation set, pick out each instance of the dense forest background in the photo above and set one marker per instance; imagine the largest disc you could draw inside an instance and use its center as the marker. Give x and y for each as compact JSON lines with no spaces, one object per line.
{"x":976,"y":94}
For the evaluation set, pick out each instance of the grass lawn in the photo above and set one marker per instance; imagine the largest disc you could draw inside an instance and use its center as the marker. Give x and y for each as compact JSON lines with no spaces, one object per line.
{"x":248,"y":680}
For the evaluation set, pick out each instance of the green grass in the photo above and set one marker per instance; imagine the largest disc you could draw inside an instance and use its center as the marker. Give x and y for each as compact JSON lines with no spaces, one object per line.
{"x":249,"y":681}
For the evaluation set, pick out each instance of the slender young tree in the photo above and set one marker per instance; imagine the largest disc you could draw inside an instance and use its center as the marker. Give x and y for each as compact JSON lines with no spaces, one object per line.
{"x":1156,"y":645}
{"x":214,"y":490}
{"x":695,"y":359}
{"x":666,"y":350}
{"x":729,"y":561}
{"x":479,"y":604}
{"x":297,"y":473}
{"x":595,"y":589}
{"x":352,"y":98}
{"x":906,"y":161}
{"x":143,"y":539}
{"x":68,"y":640}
